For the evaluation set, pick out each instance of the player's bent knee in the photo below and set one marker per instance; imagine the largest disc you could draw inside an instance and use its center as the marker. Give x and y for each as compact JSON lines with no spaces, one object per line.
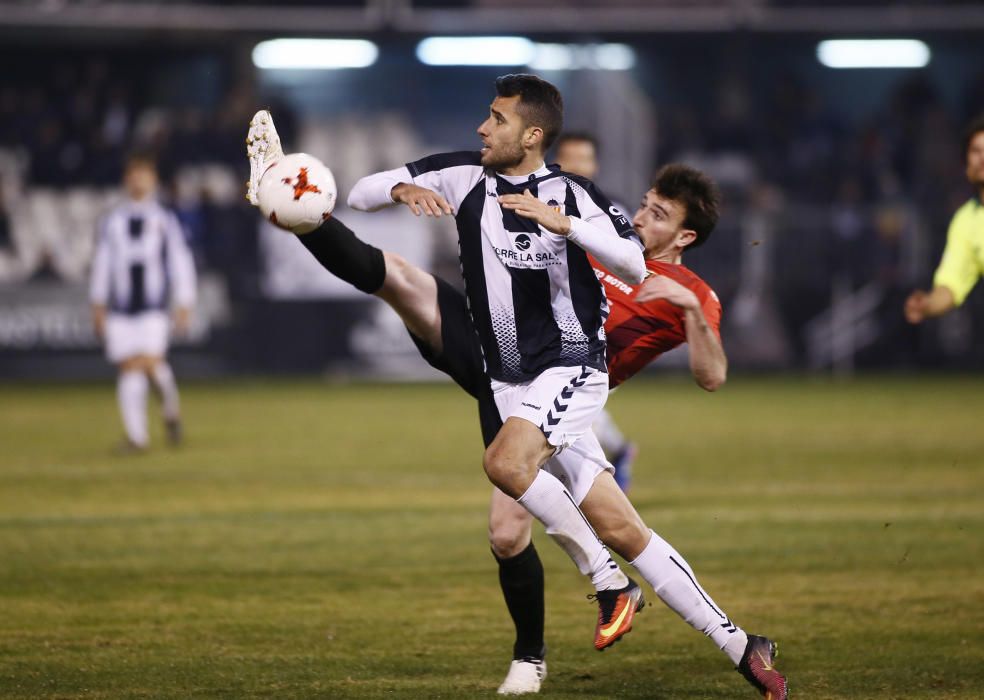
{"x":504,"y":472}
{"x":508,"y":539}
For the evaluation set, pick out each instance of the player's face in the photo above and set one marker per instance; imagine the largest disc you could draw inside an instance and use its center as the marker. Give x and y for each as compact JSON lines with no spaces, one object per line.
{"x":975,"y":160}
{"x":578,"y":157}
{"x":139,"y":180}
{"x":659,"y":223}
{"x":502,"y":135}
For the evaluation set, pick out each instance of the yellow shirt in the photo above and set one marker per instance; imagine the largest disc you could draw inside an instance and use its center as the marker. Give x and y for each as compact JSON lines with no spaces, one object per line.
{"x":963,"y":259}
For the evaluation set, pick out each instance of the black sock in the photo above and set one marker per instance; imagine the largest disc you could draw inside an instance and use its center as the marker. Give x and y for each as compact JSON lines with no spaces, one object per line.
{"x":341,"y":253}
{"x":521,"y":578}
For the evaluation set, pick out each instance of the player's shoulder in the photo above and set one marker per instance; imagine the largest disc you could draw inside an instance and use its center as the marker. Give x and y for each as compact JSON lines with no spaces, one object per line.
{"x":443,"y":161}
{"x":970,"y":209}
{"x":685,"y":276}
{"x":584,"y":187}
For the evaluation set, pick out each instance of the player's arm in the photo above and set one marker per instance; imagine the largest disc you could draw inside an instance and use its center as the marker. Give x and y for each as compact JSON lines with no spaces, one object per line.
{"x":99,"y":282}
{"x":921,"y":304}
{"x":181,"y":271}
{"x":955,"y":277}
{"x":375,"y":192}
{"x":708,"y":363}
{"x":623,"y":256}
{"x":434,"y":185}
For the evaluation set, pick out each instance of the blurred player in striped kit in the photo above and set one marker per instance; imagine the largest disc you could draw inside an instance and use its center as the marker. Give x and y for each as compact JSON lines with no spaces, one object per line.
{"x":142,"y":267}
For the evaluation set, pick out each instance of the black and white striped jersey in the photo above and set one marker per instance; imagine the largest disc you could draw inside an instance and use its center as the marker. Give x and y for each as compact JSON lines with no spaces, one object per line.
{"x":142,"y":262}
{"x":534,"y":299}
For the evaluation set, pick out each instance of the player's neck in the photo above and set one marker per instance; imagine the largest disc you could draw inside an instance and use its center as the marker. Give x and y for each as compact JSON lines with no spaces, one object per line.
{"x":530,"y":164}
{"x":667,"y":256}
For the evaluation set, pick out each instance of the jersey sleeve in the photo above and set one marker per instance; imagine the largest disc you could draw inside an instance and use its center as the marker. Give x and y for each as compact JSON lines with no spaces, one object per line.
{"x":597,"y":209}
{"x":958,"y":270}
{"x":180,"y":262}
{"x":605,"y":233}
{"x":99,"y":276}
{"x":452,"y":175}
{"x":373,"y":192}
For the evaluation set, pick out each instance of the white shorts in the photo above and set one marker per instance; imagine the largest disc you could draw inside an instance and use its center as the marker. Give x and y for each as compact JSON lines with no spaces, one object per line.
{"x":562,"y":402}
{"x":578,"y":466}
{"x":142,"y":334}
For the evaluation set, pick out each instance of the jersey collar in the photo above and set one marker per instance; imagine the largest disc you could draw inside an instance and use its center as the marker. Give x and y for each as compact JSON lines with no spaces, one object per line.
{"x":543,"y":171}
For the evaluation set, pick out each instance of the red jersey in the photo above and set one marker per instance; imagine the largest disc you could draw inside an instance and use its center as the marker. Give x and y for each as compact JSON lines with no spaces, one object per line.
{"x":638,"y":333}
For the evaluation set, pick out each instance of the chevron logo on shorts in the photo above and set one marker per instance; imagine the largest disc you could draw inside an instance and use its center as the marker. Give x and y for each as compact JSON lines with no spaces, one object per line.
{"x":562,"y":401}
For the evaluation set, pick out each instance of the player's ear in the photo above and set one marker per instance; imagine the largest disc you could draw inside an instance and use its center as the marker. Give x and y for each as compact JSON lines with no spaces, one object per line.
{"x":685,"y":237}
{"x":532,"y":136}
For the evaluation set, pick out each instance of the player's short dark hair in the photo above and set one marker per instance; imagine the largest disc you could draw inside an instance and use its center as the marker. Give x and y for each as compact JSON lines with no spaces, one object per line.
{"x":696,"y":192}
{"x":540,"y":103}
{"x":975,"y":127}
{"x":575,"y":136}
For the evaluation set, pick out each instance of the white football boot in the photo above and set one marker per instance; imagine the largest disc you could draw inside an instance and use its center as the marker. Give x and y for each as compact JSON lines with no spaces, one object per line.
{"x":263,"y":150}
{"x":525,"y":676}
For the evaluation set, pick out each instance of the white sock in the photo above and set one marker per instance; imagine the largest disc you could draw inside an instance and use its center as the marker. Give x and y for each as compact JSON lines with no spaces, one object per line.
{"x":675,"y":583}
{"x":550,"y":503}
{"x":611,"y":438}
{"x":164,"y":381}
{"x":131,"y":394}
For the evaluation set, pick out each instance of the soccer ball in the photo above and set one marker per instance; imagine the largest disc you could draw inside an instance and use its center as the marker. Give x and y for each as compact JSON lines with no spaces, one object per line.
{"x":297,"y":193}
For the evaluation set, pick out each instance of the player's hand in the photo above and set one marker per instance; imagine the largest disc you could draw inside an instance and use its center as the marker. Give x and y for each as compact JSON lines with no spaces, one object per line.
{"x":99,"y":320}
{"x":181,"y":320}
{"x":421,"y":200}
{"x":658,"y":287}
{"x":916,"y":306}
{"x":529,"y":207}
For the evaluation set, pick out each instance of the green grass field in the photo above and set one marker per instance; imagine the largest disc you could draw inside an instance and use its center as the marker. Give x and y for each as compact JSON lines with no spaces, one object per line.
{"x":328,"y":541}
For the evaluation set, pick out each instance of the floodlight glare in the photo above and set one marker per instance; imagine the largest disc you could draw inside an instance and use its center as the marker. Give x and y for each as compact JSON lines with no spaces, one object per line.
{"x":475,"y":51}
{"x":873,"y":53}
{"x":314,"y":54}
{"x":583,"y":56}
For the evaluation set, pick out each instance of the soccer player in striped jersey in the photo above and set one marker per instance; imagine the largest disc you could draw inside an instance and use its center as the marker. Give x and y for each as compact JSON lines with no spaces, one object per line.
{"x":963,"y":258}
{"x":525,"y":231}
{"x":441,"y":324}
{"x":141,"y":269}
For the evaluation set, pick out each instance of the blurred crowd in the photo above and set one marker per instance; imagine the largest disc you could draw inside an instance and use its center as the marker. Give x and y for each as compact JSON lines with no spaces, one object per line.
{"x":846,"y":192}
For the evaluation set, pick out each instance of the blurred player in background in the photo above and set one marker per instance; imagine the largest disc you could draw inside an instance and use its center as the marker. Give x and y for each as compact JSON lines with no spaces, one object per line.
{"x":963,"y":258}
{"x":671,"y":307}
{"x":141,"y":269}
{"x":577,"y":152}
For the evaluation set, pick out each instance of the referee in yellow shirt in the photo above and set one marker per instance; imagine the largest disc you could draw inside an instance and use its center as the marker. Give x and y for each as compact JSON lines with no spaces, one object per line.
{"x":963,"y":258}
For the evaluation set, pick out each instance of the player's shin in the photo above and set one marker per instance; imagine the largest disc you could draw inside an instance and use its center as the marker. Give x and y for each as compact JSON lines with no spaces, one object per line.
{"x":347,"y":257}
{"x":163,"y":378}
{"x":548,"y":501}
{"x":521,"y":579}
{"x":131,"y":394}
{"x":676,"y":585}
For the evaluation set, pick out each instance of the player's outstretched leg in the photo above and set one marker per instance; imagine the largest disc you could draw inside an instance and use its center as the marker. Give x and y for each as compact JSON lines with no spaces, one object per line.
{"x":665,"y":569}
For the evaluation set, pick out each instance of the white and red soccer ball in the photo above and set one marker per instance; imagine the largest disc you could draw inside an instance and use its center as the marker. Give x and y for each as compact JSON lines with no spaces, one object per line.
{"x":297,"y":193}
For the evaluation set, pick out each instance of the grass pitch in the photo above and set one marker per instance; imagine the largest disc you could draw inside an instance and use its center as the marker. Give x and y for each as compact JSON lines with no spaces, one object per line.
{"x":325,"y":541}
